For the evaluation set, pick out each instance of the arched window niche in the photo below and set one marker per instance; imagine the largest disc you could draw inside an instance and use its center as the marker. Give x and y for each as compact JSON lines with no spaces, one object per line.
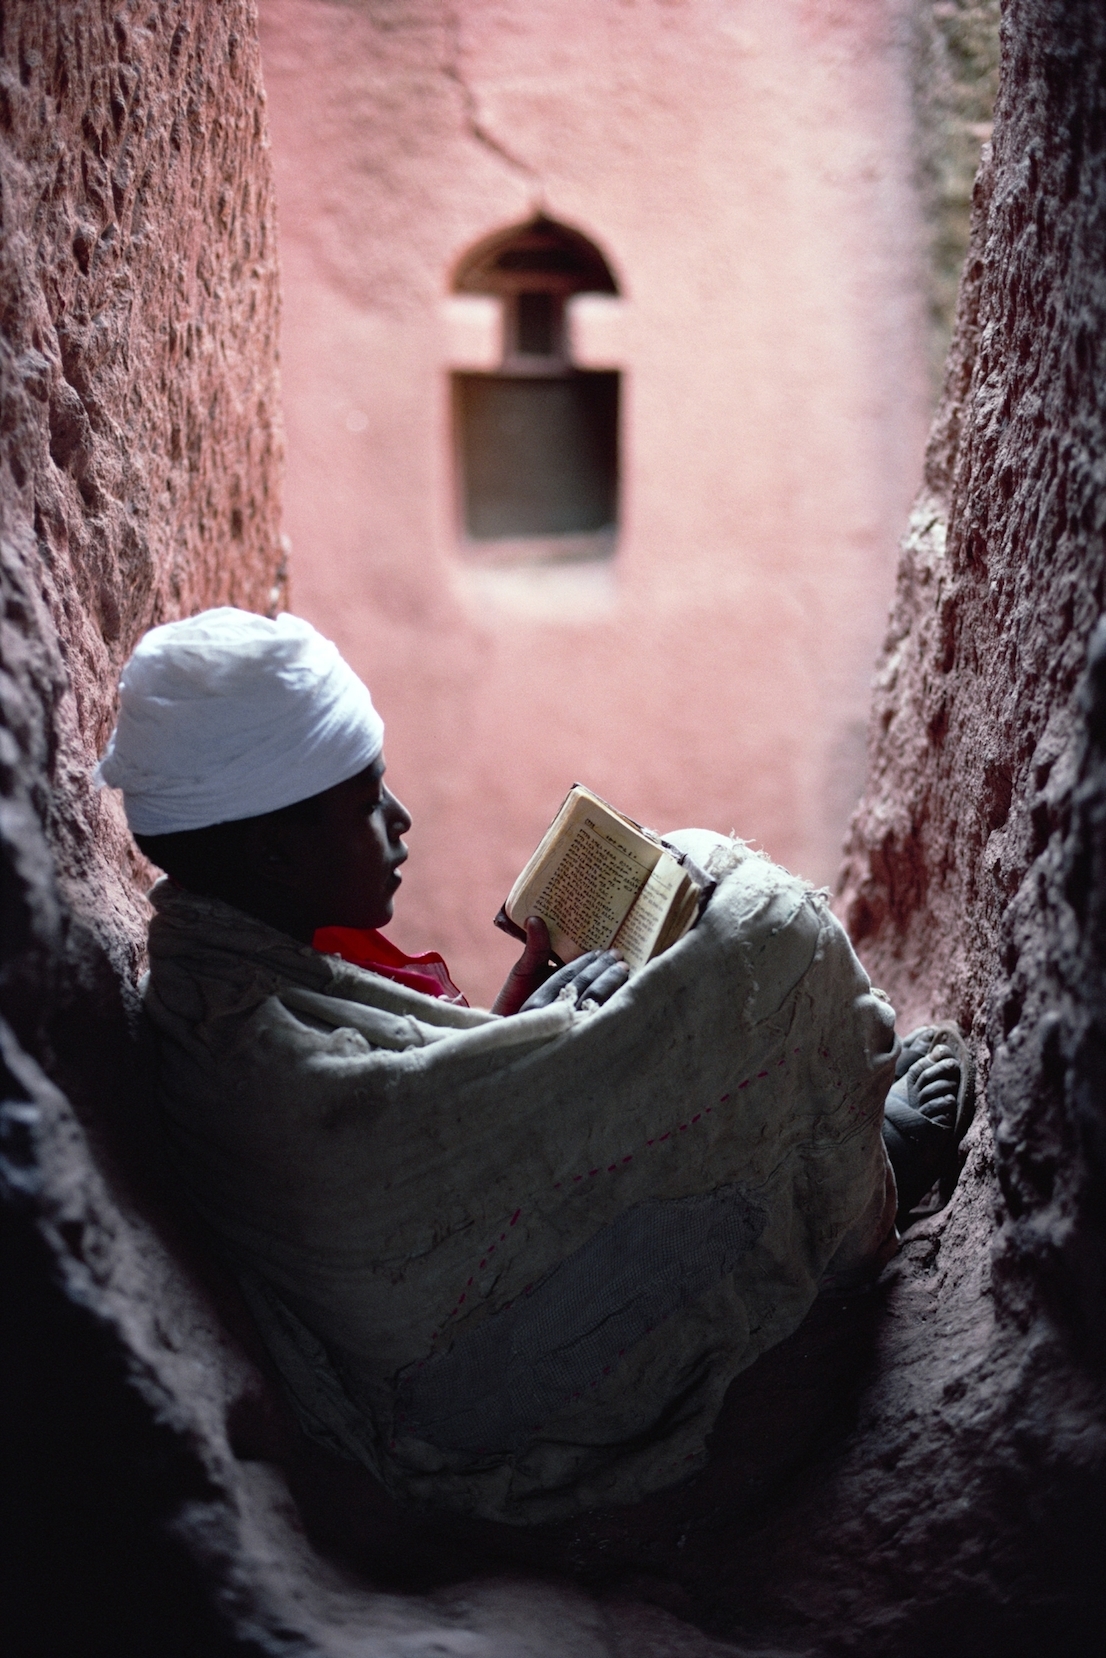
{"x":536,"y":438}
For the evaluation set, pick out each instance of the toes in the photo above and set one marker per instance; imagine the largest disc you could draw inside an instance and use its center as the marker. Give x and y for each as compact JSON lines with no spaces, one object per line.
{"x":912,"y":1053}
{"x":940,"y":1111}
{"x":934,"y":1087}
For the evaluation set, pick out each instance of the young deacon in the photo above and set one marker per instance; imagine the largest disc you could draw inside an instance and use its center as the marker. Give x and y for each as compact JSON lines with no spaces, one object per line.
{"x":510,"y":1264}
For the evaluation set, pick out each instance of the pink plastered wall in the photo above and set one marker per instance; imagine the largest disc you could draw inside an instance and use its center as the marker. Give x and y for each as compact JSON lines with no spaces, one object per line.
{"x":744,"y":167}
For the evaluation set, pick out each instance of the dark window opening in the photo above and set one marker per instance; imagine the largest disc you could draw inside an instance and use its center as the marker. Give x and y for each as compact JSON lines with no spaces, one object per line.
{"x":538,"y":455}
{"x":536,"y":443}
{"x":557,"y":257}
{"x":536,"y":324}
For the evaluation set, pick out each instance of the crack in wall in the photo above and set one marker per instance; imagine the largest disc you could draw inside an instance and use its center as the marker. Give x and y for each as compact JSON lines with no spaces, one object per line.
{"x":470,"y":104}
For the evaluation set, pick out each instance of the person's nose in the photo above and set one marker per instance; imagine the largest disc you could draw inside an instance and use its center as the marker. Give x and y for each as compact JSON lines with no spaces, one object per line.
{"x":399,"y":818}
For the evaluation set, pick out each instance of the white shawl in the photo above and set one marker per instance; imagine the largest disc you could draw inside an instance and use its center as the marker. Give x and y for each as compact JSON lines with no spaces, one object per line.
{"x":513,"y":1264}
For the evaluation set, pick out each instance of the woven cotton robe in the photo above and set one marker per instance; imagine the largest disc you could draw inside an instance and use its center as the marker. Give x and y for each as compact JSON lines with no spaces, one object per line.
{"x":511,"y":1265}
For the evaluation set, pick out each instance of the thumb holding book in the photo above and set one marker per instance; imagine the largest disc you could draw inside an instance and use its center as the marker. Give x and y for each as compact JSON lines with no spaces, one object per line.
{"x":532,"y":982}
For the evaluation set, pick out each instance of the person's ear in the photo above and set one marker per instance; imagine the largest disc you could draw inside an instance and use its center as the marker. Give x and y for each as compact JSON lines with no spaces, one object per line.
{"x":271,"y":854}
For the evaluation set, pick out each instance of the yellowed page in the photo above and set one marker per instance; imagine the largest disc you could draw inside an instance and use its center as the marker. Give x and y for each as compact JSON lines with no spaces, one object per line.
{"x":584,"y":877}
{"x":682,"y":915}
{"x":645,"y":922}
{"x":574,"y":807}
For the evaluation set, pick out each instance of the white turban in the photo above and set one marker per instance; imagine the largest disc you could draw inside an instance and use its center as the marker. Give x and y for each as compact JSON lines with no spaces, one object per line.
{"x":227,"y":715}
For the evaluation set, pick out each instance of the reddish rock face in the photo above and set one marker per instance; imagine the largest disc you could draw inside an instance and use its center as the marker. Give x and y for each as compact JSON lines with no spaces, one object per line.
{"x":141,"y":418}
{"x":943,"y":1491}
{"x":139,"y":481}
{"x":973,"y":887}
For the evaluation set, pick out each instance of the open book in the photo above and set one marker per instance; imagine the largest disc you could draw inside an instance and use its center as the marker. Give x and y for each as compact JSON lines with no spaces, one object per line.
{"x":598,"y":879}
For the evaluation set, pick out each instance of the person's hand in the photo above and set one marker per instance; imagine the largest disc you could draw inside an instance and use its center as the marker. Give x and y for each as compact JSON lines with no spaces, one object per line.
{"x":531,"y":969}
{"x":593,"y":977}
{"x":533,"y":983}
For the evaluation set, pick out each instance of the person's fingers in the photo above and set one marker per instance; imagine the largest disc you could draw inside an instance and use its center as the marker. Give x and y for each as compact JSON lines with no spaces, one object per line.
{"x":535,"y":956}
{"x":592,"y":970}
{"x":594,"y":976}
{"x":570,"y":968}
{"x":531,"y":969}
{"x":555,"y":983}
{"x":537,"y":936}
{"x":603,"y":988}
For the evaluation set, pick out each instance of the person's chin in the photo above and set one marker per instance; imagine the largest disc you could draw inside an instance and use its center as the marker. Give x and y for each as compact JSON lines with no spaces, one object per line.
{"x":384,"y":908}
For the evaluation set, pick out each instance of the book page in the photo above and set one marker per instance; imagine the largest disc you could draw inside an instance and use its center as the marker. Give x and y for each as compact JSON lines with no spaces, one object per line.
{"x":682,"y":915}
{"x":584,"y":876}
{"x":586,"y":897}
{"x":643,"y":925}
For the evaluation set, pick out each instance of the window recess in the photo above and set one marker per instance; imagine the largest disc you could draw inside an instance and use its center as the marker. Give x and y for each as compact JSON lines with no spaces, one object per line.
{"x":536,"y":440}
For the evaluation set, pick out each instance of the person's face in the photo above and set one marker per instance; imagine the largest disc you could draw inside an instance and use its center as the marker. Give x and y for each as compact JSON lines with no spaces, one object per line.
{"x":342,"y":869}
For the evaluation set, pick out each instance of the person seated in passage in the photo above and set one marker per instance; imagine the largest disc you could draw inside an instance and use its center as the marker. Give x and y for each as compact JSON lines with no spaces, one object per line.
{"x":510,"y":1259}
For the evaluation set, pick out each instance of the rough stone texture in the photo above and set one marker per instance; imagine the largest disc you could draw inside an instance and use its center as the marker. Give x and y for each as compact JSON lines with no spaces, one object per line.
{"x":920,"y":1469}
{"x":970,"y":883}
{"x":954,"y":53}
{"x":140,"y":470}
{"x":140,"y":421}
{"x":1001,"y":581}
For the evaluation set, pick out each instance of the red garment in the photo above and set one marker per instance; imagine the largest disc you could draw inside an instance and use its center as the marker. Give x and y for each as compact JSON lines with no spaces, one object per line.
{"x":365,"y":947}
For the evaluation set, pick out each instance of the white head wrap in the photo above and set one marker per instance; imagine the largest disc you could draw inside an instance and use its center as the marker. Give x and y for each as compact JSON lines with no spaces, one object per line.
{"x":227,"y":715}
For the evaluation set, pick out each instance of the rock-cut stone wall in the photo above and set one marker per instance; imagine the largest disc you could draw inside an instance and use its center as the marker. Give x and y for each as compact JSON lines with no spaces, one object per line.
{"x":140,"y":455}
{"x":951,"y":886}
{"x":954,"y":62}
{"x":141,"y":427}
{"x":919,"y":1470}
{"x":973,"y":881}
